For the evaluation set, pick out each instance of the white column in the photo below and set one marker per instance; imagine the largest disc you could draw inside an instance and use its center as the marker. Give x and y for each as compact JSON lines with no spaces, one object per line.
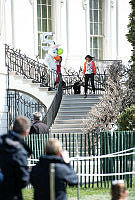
{"x":117,"y":30}
{"x":13,"y":24}
{"x":76,"y":33}
{"x":110,"y":34}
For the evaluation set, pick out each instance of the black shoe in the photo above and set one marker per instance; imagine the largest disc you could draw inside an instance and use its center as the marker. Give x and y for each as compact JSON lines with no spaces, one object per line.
{"x":85,"y":96}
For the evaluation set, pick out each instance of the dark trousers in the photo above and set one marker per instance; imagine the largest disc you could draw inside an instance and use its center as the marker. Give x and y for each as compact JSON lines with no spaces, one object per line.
{"x":91,"y":77}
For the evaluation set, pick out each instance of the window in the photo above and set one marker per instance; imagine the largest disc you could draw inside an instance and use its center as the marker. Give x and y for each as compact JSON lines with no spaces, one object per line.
{"x":45,"y":22}
{"x":96,"y":28}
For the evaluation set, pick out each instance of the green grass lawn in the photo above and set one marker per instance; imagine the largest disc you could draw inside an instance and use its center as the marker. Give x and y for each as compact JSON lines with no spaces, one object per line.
{"x":85,"y":194}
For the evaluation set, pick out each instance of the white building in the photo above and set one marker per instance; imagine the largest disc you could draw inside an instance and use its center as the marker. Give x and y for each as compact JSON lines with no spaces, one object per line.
{"x":95,"y":27}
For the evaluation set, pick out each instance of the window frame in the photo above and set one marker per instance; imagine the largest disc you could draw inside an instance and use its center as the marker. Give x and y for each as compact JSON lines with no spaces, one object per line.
{"x":99,"y":36}
{"x":40,"y":4}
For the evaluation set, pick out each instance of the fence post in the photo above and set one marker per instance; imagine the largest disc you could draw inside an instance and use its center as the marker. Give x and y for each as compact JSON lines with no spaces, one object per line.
{"x":52,"y":181}
{"x":77,"y":154}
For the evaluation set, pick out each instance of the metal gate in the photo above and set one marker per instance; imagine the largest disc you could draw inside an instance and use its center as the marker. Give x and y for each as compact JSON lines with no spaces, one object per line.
{"x":22,"y":104}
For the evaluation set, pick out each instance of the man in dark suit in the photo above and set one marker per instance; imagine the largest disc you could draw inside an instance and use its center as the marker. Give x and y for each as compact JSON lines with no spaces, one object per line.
{"x":38,"y":126}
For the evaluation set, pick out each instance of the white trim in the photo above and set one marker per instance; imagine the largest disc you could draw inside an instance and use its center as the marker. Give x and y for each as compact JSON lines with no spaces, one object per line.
{"x":35,"y":28}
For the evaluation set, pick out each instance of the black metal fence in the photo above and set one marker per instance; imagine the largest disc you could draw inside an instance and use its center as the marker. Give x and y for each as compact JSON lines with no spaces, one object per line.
{"x":22,"y":104}
{"x":29,"y":68}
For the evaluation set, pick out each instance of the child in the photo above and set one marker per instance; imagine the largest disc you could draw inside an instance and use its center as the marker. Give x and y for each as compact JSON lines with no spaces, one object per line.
{"x":118,"y":190}
{"x":58,"y":69}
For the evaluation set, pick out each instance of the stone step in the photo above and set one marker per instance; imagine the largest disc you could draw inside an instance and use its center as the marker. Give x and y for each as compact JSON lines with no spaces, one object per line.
{"x":69,"y":121}
{"x":70,"y":117}
{"x":65,"y":126}
{"x":72,"y":96}
{"x":72,"y":112}
{"x":77,"y":101}
{"x":75,"y":105}
{"x":67,"y":130}
{"x":76,"y":108}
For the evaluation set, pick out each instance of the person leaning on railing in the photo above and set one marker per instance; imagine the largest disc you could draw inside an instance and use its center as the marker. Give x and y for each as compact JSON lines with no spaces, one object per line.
{"x":63,"y":173}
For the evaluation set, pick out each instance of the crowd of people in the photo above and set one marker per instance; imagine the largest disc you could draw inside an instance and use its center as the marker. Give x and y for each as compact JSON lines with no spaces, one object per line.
{"x":15,"y":173}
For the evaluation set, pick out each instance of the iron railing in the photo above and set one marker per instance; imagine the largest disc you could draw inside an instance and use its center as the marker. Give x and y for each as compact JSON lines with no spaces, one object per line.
{"x":70,"y":77}
{"x":22,"y":104}
{"x":53,"y":109}
{"x":29,"y":68}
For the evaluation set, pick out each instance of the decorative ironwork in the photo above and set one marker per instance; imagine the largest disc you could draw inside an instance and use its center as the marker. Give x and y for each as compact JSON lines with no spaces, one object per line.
{"x":52,"y":111}
{"x":22,"y":104}
{"x":29,"y":68}
{"x":70,"y":77}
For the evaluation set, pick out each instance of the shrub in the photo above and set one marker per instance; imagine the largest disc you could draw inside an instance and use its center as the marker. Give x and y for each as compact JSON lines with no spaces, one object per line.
{"x":127,"y":119}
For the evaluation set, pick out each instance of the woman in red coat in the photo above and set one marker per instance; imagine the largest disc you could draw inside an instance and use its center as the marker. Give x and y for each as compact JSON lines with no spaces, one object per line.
{"x":59,"y":60}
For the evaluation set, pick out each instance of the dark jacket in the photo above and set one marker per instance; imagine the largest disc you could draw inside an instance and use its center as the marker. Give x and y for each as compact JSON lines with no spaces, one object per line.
{"x":13,"y":165}
{"x":39,"y":127}
{"x":64,"y":173}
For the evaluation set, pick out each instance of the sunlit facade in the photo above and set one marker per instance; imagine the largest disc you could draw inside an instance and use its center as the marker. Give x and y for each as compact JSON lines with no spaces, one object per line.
{"x":80,"y":27}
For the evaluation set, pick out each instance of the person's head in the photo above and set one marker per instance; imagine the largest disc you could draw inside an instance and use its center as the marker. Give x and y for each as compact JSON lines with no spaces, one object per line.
{"x":53,"y":147}
{"x":37,"y":116}
{"x":88,"y":58}
{"x":21,"y":126}
{"x":118,"y":190}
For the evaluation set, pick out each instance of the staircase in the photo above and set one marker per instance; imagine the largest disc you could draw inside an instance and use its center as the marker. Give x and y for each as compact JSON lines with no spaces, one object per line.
{"x":17,"y":82}
{"x":73,"y":110}
{"x":29,"y":76}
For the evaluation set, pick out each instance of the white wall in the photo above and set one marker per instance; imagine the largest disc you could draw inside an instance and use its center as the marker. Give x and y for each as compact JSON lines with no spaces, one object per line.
{"x":116,"y":45}
{"x":75,"y":33}
{"x":116,"y":14}
{"x":124,"y":45}
{"x":3,"y":73}
{"x":20,"y":26}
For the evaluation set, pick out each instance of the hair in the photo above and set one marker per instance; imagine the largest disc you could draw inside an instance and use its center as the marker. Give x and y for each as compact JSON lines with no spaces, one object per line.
{"x":53,"y":147}
{"x":37,"y":116}
{"x":21,"y":125}
{"x":117,"y":190}
{"x":89,"y":57}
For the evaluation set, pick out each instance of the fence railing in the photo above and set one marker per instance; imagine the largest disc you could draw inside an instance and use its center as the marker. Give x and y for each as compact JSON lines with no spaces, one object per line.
{"x":88,"y":160}
{"x":70,"y":77}
{"x":22,"y":104}
{"x":29,"y":68}
{"x":54,"y":107}
{"x":99,"y":83}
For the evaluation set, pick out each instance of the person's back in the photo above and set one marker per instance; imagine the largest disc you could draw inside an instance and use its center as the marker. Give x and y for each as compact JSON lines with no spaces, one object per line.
{"x":38,"y":126}
{"x":13,"y":165}
{"x":40,"y":178}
